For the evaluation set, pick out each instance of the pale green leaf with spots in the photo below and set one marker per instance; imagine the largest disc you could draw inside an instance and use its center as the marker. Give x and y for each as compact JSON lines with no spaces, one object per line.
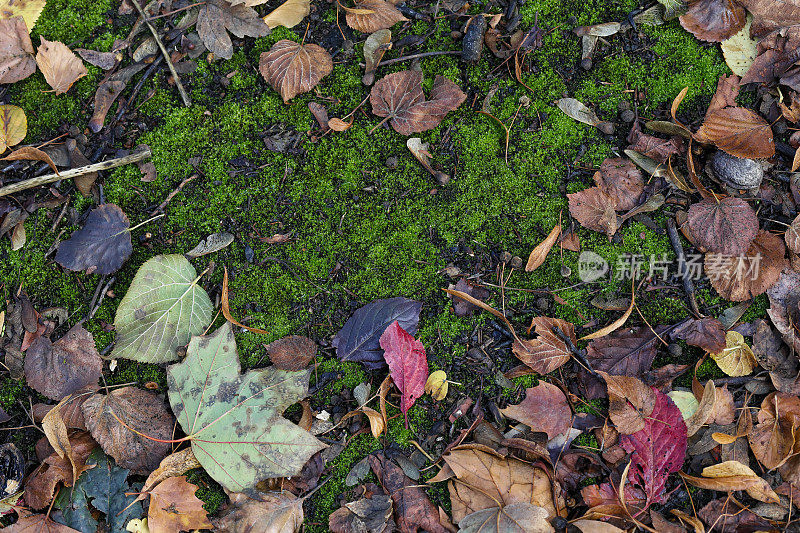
{"x":162,"y":309}
{"x":235,"y":421}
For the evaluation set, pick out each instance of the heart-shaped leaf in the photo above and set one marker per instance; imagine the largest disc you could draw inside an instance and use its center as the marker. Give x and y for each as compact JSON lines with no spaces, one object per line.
{"x":293,"y":68}
{"x":101,"y":246}
{"x":163,"y":308}
{"x":727,"y":226}
{"x":234,"y":420}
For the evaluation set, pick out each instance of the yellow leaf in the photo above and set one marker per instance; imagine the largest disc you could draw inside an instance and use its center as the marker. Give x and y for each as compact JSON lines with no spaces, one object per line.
{"x":13,"y":126}
{"x":288,"y":14}
{"x":436,"y":385}
{"x":138,"y":526}
{"x":737,"y":359}
{"x":27,"y":9}
{"x":740,"y":50}
{"x":376,"y":422}
{"x":761,"y":491}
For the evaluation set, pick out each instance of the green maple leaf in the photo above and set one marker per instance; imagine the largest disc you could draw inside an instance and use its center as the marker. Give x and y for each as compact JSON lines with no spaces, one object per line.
{"x":235,"y":421}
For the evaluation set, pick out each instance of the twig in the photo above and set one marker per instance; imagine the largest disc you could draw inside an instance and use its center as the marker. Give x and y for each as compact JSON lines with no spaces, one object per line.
{"x":73,"y":173}
{"x":677,"y":247}
{"x":171,"y":195}
{"x":417,"y":56}
{"x":178,"y":84}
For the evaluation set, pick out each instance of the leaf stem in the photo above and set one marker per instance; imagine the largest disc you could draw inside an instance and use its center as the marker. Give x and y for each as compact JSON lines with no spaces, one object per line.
{"x":140,"y":224}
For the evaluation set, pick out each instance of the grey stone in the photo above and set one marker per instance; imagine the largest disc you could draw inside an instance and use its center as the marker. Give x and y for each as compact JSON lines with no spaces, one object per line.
{"x":737,"y":172}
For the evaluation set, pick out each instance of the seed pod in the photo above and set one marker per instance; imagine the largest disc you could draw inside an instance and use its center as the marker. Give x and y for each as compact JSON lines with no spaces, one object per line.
{"x":472,"y":45}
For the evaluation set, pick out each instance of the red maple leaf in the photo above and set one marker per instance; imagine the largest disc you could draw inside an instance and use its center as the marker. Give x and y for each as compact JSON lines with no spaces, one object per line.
{"x":407,"y":362}
{"x":658,"y":449}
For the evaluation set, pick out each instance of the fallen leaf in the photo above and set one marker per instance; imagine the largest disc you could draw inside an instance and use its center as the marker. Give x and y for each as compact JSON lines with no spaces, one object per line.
{"x":548,"y":351}
{"x":289,"y":14}
{"x":29,"y":10}
{"x":514,"y":518}
{"x":175,"y":464}
{"x":655,"y":148}
{"x":16,"y":51}
{"x":218,"y":17}
{"x":792,"y":235}
{"x":235,"y":421}
{"x":374,"y":47}
{"x":770,"y":15}
{"x":713,"y":20}
{"x":30,"y":153}
{"x":174,"y":507}
{"x":545,"y":408}
{"x":413,"y":508}
{"x":370,"y":16}
{"x":737,"y":131}
{"x":437,"y":385}
{"x":772,"y":440}
{"x":740,"y":50}
{"x":40,"y":486}
{"x":38,"y":523}
{"x":734,"y":473}
{"x":359,"y":338}
{"x":293,"y":352}
{"x":745,"y":277}
{"x":103,"y":244}
{"x":727,"y":226}
{"x":724,"y":515}
{"x":658,"y":449}
{"x":108,"y":91}
{"x":60,"y":67}
{"x":400,"y":99}
{"x":596,"y":526}
{"x":13,"y":126}
{"x":420,"y":152}
{"x":226,"y":308}
{"x":370,"y":515}
{"x":408,"y":364}
{"x":163,"y":308}
{"x":576,"y":110}
{"x":705,"y":409}
{"x":595,"y":210}
{"x":685,"y":401}
{"x":737,"y":358}
{"x":462,"y":307}
{"x":539,"y":254}
{"x":272,"y":512}
{"x":62,"y":368}
{"x":292,"y":68}
{"x":705,"y":333}
{"x":103,"y":60}
{"x":784,"y":309}
{"x":630,"y":402}
{"x":121,"y":421}
{"x":621,"y":181}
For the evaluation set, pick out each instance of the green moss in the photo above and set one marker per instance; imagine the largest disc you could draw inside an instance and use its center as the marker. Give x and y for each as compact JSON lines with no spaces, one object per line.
{"x":208,"y":490}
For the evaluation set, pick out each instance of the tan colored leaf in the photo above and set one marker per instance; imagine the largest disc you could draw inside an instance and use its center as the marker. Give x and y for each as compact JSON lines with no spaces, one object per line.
{"x":514,"y":518}
{"x":377,"y":424}
{"x":630,"y":402}
{"x":596,"y":526}
{"x":737,"y":131}
{"x":60,"y":66}
{"x":270,"y":512}
{"x":291,"y":353}
{"x":289,"y":14}
{"x":118,"y":420}
{"x":16,"y":51}
{"x":174,"y":507}
{"x":576,"y":110}
{"x":594,"y":209}
{"x":370,"y":16}
{"x":38,"y":523}
{"x":175,"y":464}
{"x":399,"y":98}
{"x":374,"y":47}
{"x":740,"y":50}
{"x":792,"y":235}
{"x":545,"y":408}
{"x":737,"y":359}
{"x":539,"y":254}
{"x":337,"y":124}
{"x":27,"y":9}
{"x":548,"y":351}
{"x":744,"y":277}
{"x":760,"y":490}
{"x":292,"y":68}
{"x":30,"y":153}
{"x":704,"y":410}
{"x":13,"y":126}
{"x":226,"y":308}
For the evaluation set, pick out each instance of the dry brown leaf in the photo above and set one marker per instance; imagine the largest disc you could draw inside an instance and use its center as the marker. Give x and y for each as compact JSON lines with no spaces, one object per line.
{"x":539,"y":254}
{"x":175,"y":464}
{"x":103,"y":60}
{"x":704,"y":411}
{"x":727,"y":226}
{"x":293,"y":352}
{"x":38,"y":523}
{"x":618,"y":323}
{"x":27,"y":9}
{"x":713,"y":20}
{"x":270,"y":512}
{"x":548,"y":351}
{"x":594,"y":209}
{"x":545,"y":408}
{"x":399,"y":98}
{"x":773,"y":438}
{"x":622,"y":181}
{"x":60,"y":66}
{"x":745,"y":277}
{"x":16,"y":51}
{"x":13,"y":126}
{"x":630,"y":402}
{"x":174,"y":507}
{"x":370,"y":16}
{"x":30,"y":153}
{"x":737,"y":131}
{"x":41,"y":484}
{"x":289,"y":14}
{"x":226,"y":308}
{"x":139,"y":410}
{"x":514,"y":518}
{"x":218,"y":17}
{"x":292,"y":68}
{"x":792,"y":235}
{"x":577,"y":110}
{"x":760,"y":490}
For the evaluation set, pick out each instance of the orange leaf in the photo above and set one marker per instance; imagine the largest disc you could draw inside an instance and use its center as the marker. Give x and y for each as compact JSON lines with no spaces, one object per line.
{"x":226,"y":308}
{"x":738,"y":131}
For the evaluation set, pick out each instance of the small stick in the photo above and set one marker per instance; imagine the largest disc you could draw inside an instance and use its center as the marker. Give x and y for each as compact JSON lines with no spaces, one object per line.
{"x":171,"y":195}
{"x":74,"y":172}
{"x":677,"y":247}
{"x":178,"y":84}
{"x":423,"y":54}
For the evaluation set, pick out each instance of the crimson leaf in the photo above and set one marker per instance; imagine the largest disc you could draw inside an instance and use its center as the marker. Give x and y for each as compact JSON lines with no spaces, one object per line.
{"x":408,"y":364}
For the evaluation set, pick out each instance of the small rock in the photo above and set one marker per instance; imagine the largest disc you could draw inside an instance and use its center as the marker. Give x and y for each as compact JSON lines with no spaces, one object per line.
{"x":391,"y":162}
{"x":606,"y":127}
{"x":586,"y":63}
{"x":627,"y":115}
{"x":624,"y":105}
{"x":737,"y":172}
{"x":675,"y":350}
{"x":542,"y":304}
{"x":780,"y":127}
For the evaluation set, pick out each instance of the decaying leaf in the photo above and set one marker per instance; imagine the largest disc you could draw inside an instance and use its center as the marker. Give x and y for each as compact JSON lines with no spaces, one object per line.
{"x":621,"y":181}
{"x":740,"y":50}
{"x":514,"y":518}
{"x":107,"y":93}
{"x":577,"y":110}
{"x":744,"y":277}
{"x":218,"y":17}
{"x":274,"y":512}
{"x":773,"y":438}
{"x":374,"y":47}
{"x":713,"y":20}
{"x":16,"y":51}
{"x":737,"y":131}
{"x":175,"y":464}
{"x":370,"y":16}
{"x":41,"y":484}
{"x":737,"y":358}
{"x":408,"y":364}
{"x":235,"y":420}
{"x":13,"y":126}
{"x":727,"y":226}
{"x":595,"y":210}
{"x":420,"y":151}
{"x":400,"y":99}
{"x":213,"y":243}
{"x":293,"y":352}
{"x":174,"y":507}
{"x":163,"y":307}
{"x":732,"y":476}
{"x":101,"y":246}
{"x":548,"y":351}
{"x":370,"y":515}
{"x":29,"y":10}
{"x":121,"y":421}
{"x":38,"y":523}
{"x":103,"y":60}
{"x":64,"y":367}
{"x":545,"y":408}
{"x":30,"y":153}
{"x":60,"y":66}
{"x":539,"y":254}
{"x":292,"y":68}
{"x":289,"y":14}
{"x":437,"y":385}
{"x":705,"y":333}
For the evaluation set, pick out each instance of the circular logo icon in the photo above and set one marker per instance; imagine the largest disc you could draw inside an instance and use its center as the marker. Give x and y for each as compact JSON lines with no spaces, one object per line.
{"x":591,"y":266}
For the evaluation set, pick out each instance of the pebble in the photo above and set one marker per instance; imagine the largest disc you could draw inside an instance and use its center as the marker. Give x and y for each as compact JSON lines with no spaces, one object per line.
{"x":391,"y":162}
{"x":627,"y":115}
{"x":505,"y":257}
{"x":675,"y":350}
{"x":606,"y":127}
{"x":737,"y":172}
{"x":624,"y":105}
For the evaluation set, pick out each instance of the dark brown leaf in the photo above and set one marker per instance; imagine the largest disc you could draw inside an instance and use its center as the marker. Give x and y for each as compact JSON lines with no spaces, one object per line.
{"x":771,"y":15}
{"x":101,"y":246}
{"x":399,"y":97}
{"x":107,"y":93}
{"x":594,"y":209}
{"x":656,"y":148}
{"x":40,"y":486}
{"x":744,"y":277}
{"x":293,"y":68}
{"x":548,"y":351}
{"x":64,"y":367}
{"x":462,"y":307}
{"x":622,"y":181}
{"x":706,"y":333}
{"x":293,"y":352}
{"x":369,"y":16}
{"x":218,"y":17}
{"x":724,"y":515}
{"x":739,"y":132}
{"x":140,"y":410}
{"x":630,"y":402}
{"x":713,"y":20}
{"x":16,"y":51}
{"x":727,"y":226}
{"x":545,"y":408}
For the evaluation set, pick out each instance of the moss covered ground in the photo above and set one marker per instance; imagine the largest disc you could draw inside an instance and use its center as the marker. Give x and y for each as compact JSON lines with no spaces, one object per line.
{"x":360,"y":229}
